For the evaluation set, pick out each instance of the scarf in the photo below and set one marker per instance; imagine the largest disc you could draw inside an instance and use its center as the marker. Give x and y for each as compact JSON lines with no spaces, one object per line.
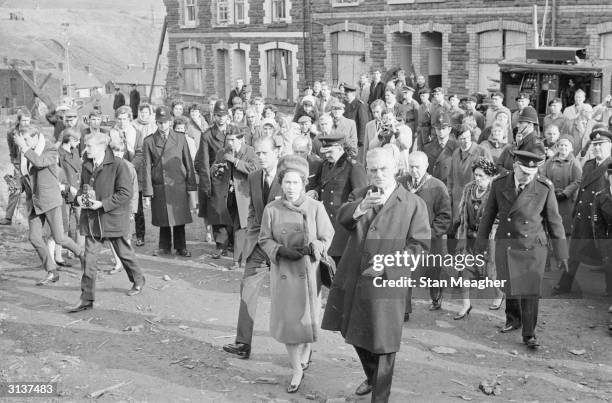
{"x":38,"y":149}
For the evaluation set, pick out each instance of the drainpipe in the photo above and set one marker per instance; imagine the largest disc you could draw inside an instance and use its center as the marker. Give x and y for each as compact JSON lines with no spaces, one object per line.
{"x":553,"y":23}
{"x":536,"y":42}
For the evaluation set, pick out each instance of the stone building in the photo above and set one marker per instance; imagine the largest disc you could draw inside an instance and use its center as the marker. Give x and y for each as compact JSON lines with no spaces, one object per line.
{"x":279,"y":46}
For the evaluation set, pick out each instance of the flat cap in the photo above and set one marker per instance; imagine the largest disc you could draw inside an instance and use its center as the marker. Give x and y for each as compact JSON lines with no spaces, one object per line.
{"x":332,"y":139}
{"x":349,"y":87}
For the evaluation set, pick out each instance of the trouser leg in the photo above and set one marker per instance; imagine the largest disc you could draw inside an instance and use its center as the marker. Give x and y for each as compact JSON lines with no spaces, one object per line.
{"x":165,"y":238}
{"x":222,"y":236}
{"x":178,"y":232}
{"x":139,"y":219}
{"x":368,"y":362}
{"x":383,"y":377}
{"x":567,"y":278}
{"x":513,"y":311}
{"x":255,"y":271}
{"x":529,"y":315}
{"x":13,"y":199}
{"x":35,"y":235}
{"x":126,"y":255}
{"x":54,"y":219}
{"x":88,"y":281}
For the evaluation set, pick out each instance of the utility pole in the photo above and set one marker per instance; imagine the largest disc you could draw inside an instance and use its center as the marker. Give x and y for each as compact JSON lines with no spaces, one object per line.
{"x":65,"y":25}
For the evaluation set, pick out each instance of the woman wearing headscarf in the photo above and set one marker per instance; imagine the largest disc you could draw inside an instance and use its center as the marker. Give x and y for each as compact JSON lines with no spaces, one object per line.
{"x":295,"y":233}
{"x":473,"y":200}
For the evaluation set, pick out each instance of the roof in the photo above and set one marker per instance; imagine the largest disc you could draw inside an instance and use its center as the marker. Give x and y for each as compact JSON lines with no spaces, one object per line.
{"x":83,"y":79}
{"x":587,"y":67}
{"x":141,"y":77}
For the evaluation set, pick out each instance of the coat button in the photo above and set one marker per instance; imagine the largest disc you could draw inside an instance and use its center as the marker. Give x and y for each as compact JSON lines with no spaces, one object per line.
{"x":509,"y":220}
{"x":509,"y":234}
{"x":526,"y":235}
{"x":589,"y":217}
{"x":331,"y":191}
{"x":578,"y":214}
{"x":580,"y":202}
{"x":331,"y":203}
{"x":590,"y":204}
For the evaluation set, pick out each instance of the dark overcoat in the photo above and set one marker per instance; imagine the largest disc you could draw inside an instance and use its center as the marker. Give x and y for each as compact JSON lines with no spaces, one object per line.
{"x":367,"y":316}
{"x":440,"y":158}
{"x":602,"y":223}
{"x":211,"y":141}
{"x":42,"y":192}
{"x":334,"y":183}
{"x":582,"y":244}
{"x":526,"y":222}
{"x":360,"y":113}
{"x":218,"y":213}
{"x":113,"y":186}
{"x":71,"y":163}
{"x":169,"y":175}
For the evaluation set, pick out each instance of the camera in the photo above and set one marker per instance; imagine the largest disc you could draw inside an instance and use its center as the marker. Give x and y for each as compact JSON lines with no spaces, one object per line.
{"x":88,"y":196}
{"x":386,"y":133}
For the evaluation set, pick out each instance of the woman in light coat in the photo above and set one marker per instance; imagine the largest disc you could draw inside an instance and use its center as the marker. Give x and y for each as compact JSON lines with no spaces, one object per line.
{"x":295,"y":233}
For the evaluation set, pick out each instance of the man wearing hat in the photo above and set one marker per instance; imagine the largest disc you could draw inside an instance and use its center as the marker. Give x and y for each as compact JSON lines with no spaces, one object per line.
{"x":229,"y":198}
{"x":235,"y":92}
{"x":524,"y":138}
{"x":582,"y":244}
{"x":497,"y":104}
{"x":439,"y":106}
{"x":410,"y":108}
{"x":555,"y":117}
{"x":602,"y":228}
{"x":526,"y":207}
{"x":23,"y":121}
{"x":357,"y":111}
{"x":337,"y":177}
{"x":440,"y":149}
{"x":522,"y":101}
{"x":119,"y":99}
{"x":211,"y":142}
{"x":470,"y":103}
{"x":345,"y":127}
{"x":456,"y":114}
{"x":168,"y":180}
{"x":377,"y":87}
{"x":424,"y":126}
{"x":134,"y":101}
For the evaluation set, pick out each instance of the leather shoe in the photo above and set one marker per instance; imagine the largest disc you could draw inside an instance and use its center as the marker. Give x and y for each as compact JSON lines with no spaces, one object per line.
{"x":363,"y":389}
{"x":82,"y":306}
{"x":531,"y":342}
{"x":63,"y":264}
{"x":52,"y":277}
{"x":558,"y":290}
{"x":218,"y":254}
{"x":240,"y":349}
{"x":136,"y":289}
{"x":6,"y":221}
{"x":161,"y":252}
{"x":183,"y":253}
{"x":509,"y":328}
{"x":436,"y":305}
{"x":139,"y":242}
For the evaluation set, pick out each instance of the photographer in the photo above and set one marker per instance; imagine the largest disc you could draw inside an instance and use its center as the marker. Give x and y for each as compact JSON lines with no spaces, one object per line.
{"x":105,"y":216}
{"x":39,"y":170}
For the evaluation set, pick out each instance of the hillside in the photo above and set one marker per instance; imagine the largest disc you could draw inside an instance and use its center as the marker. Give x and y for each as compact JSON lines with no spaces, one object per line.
{"x":107,"y":35}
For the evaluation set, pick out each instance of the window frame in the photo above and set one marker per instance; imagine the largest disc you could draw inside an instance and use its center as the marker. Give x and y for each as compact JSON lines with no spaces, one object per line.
{"x":192,"y":66}
{"x":188,"y":5}
{"x":273,"y":17}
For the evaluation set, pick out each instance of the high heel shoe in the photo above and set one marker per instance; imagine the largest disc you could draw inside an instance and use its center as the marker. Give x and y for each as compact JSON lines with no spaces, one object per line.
{"x":307,"y":364}
{"x":294,"y":388}
{"x":495,"y":307}
{"x":460,"y":316}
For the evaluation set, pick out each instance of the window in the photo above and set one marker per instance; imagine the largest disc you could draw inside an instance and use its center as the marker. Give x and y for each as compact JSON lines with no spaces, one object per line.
{"x":192,"y":70}
{"x":231,"y":12}
{"x":606,"y":46}
{"x":348,"y":56}
{"x":190,"y":12}
{"x":494,"y":46}
{"x":279,"y":13}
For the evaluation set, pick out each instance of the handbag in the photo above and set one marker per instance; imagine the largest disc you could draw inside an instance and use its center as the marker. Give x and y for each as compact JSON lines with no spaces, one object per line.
{"x":327,"y":269}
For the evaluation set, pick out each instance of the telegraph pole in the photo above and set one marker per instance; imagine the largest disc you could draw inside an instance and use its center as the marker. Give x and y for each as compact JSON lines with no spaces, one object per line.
{"x":65,"y":25}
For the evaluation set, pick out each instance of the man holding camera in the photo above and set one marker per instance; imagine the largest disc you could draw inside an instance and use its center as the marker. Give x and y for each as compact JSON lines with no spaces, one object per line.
{"x":23,"y":121}
{"x":105,"y":216}
{"x":39,"y":178}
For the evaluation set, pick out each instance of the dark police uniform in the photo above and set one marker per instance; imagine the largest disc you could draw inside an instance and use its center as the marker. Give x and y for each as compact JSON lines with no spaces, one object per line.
{"x":424,"y":129}
{"x":359,"y":112}
{"x":602,"y":229}
{"x":334,"y":183}
{"x":527,"y":218}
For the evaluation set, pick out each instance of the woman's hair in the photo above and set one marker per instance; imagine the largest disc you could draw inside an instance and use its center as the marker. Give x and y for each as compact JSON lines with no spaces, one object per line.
{"x":177,"y":102}
{"x":180,"y":120}
{"x":145,"y":106}
{"x":70,"y":133}
{"x":487,"y":166}
{"x":281,"y":175}
{"x":466,"y":127}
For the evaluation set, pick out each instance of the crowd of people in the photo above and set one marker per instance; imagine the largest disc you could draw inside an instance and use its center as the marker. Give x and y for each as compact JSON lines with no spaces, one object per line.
{"x":351,"y":173}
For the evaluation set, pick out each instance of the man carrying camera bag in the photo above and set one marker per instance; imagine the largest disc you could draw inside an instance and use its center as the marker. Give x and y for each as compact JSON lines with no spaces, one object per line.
{"x":105,"y":198}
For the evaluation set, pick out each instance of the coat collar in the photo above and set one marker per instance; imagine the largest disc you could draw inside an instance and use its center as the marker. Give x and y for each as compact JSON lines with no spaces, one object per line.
{"x":596,"y":173}
{"x":109,"y":158}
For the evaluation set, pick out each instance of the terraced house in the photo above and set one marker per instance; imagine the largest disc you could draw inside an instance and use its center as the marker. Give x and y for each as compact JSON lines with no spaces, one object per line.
{"x":279,"y":46}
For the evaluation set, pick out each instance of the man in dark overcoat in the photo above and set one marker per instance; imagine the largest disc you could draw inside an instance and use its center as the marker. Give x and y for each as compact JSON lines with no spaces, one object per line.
{"x":23,"y":121}
{"x":438,"y":202}
{"x":119,"y":99}
{"x":382,"y":219}
{"x":168,"y":179}
{"x":263,"y":188}
{"x":134,"y":101}
{"x":211,"y":142}
{"x":358,"y":111}
{"x":229,"y":199}
{"x":602,"y":226}
{"x":424,"y":130}
{"x":440,"y":149}
{"x":337,"y":177}
{"x":105,"y":199}
{"x":526,"y":206}
{"x":411,"y":109}
{"x":582,"y":243}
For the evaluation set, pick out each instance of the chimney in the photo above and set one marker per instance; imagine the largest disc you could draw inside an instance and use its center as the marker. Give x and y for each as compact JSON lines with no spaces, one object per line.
{"x":87,"y":69}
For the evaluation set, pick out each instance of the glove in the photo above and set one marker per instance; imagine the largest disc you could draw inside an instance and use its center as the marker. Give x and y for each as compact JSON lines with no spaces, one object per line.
{"x":561,"y":196}
{"x":306,"y":250}
{"x":289,"y":253}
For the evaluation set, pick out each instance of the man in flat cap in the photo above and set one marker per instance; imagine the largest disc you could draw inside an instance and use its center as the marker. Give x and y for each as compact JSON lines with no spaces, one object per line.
{"x":439,"y":105}
{"x":522,"y":101}
{"x":169,"y":182}
{"x":410,"y":108}
{"x":582,"y":244}
{"x":337,"y":177}
{"x":440,"y":149}
{"x":345,"y":127}
{"x":357,"y":111}
{"x":470,"y":103}
{"x":497,"y":104}
{"x":526,"y":207}
{"x":555,"y":117}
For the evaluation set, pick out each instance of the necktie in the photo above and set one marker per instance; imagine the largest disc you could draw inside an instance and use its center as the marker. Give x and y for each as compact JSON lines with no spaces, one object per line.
{"x":266,"y":187}
{"x":521,"y":187}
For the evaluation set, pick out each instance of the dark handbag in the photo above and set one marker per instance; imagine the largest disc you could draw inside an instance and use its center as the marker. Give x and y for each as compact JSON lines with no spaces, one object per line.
{"x":327,"y":268}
